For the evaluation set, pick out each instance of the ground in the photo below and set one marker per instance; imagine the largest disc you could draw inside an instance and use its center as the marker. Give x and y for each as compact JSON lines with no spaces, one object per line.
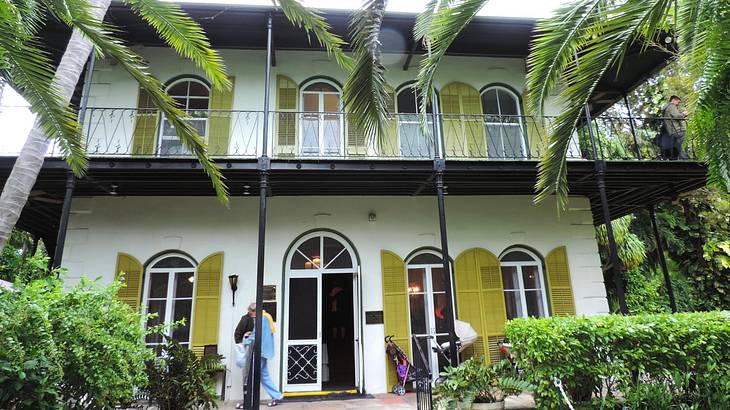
{"x":380,"y":401}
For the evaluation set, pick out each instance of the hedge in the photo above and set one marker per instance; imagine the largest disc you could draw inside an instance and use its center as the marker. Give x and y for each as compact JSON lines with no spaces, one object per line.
{"x":643,"y":361}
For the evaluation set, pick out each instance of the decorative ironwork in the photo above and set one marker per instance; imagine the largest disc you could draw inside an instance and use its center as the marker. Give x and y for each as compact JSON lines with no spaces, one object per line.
{"x":302,"y":364}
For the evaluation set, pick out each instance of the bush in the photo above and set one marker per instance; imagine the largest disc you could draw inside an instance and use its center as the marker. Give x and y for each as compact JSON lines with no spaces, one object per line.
{"x":73,"y":349}
{"x":179,"y":380}
{"x":474,"y":381}
{"x":650,"y":360}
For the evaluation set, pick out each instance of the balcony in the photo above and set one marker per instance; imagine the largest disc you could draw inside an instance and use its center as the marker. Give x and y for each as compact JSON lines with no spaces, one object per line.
{"x":145,"y":133}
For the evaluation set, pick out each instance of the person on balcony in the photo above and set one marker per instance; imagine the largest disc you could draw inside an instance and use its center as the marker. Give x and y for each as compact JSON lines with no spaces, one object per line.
{"x":675,"y":126}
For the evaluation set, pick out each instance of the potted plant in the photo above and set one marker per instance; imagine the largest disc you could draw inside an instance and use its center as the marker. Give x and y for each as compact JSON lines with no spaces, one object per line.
{"x":478,"y":385}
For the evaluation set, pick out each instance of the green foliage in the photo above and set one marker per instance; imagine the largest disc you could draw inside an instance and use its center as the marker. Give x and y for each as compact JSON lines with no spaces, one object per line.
{"x":75,"y":349}
{"x":19,"y":262}
{"x":604,"y":358}
{"x":631,"y":249}
{"x":475,"y":381}
{"x":179,"y":379}
{"x":645,"y":294}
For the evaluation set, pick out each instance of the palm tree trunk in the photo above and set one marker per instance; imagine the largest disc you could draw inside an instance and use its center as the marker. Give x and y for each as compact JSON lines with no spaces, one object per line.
{"x":30,"y":160}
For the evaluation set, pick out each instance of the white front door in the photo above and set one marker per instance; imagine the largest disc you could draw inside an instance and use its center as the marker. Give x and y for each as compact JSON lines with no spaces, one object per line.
{"x":303,"y":333}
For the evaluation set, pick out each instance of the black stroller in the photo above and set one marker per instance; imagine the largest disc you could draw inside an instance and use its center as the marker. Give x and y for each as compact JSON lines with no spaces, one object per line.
{"x":404,"y":370}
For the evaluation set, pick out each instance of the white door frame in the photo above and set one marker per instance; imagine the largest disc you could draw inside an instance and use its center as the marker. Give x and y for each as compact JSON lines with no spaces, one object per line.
{"x":317,"y":273}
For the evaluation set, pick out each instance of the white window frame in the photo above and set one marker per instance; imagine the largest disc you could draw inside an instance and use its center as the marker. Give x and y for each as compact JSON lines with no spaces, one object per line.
{"x":518,"y":265}
{"x":320,"y":117}
{"x":185,"y":109}
{"x":170,"y":297}
{"x":515,"y":97}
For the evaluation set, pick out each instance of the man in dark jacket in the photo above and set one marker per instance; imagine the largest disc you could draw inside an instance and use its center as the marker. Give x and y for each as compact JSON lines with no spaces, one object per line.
{"x":244,"y":329}
{"x":674,"y":124}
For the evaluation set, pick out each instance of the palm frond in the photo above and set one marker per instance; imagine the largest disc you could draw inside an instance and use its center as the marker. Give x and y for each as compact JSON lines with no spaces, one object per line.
{"x":29,"y":71}
{"x":424,"y":18}
{"x":445,"y":25}
{"x":25,"y":16}
{"x":184,"y":35}
{"x":102,"y":36}
{"x":365,"y":91}
{"x":609,"y":30}
{"x":313,"y":22}
{"x":631,"y":249}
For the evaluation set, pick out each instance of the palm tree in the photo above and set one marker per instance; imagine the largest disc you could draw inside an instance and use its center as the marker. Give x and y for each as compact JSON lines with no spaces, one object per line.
{"x":28,"y":70}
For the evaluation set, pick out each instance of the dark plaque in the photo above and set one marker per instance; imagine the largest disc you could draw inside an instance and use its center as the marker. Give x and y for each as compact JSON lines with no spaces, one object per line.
{"x":374,"y":318}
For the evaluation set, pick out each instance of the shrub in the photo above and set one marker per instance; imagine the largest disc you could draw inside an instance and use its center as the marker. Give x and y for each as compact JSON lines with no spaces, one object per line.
{"x":73,"y":349}
{"x":474,"y":381}
{"x":179,"y":379}
{"x":642,"y":358}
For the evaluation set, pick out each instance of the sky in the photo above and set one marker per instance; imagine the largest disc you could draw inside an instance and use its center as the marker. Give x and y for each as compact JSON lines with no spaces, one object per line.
{"x":16,"y":120}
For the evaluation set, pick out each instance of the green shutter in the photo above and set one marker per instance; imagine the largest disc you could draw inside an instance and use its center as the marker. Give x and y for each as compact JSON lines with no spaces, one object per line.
{"x":207,"y":303}
{"x":463,"y":121}
{"x":287,"y":95}
{"x":131,"y":269}
{"x":144,"y":137}
{"x":395,"y":306}
{"x":559,"y":284}
{"x":390,"y":145}
{"x":480,"y":300}
{"x":219,"y":124}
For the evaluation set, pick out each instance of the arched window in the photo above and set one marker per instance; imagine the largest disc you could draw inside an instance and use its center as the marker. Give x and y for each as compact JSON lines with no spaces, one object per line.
{"x":192,"y":96}
{"x":524,"y":284}
{"x":428,"y":307}
{"x":169,"y":283}
{"x":413,"y":141}
{"x":503,"y":123}
{"x":322,"y":125}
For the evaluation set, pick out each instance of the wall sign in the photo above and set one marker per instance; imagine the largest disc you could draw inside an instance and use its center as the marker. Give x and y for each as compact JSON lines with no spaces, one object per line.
{"x":374,"y":317}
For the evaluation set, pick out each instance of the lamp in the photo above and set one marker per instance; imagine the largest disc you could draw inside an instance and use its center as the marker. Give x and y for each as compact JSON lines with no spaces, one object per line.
{"x":233,"y":281}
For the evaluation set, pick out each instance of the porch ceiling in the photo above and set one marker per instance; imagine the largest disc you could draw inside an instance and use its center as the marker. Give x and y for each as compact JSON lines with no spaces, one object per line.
{"x":631,"y":185}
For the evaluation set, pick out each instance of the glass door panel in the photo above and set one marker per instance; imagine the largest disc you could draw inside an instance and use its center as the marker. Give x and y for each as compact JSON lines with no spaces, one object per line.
{"x":310,"y":124}
{"x":303,"y":335}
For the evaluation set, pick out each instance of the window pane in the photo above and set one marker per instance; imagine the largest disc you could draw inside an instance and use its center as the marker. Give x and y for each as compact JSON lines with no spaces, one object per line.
{"x":530,"y":277}
{"x":310,"y":248}
{"x":426,"y":259}
{"x":173,"y":262}
{"x":331,"y":103}
{"x":407,"y":101}
{"x":507,"y":103}
{"x":509,"y":277}
{"x":198,"y":104}
{"x":158,"y":285}
{"x":181,"y":102}
{"x":334,"y":249}
{"x":418,"y":313}
{"x":512,"y":302}
{"x":311,"y":102}
{"x":184,"y":285}
{"x":179,"y":89}
{"x":441,"y":311}
{"x":517,"y":256}
{"x":438,"y":279}
{"x":534,"y":303}
{"x":321,"y":87}
{"x":425,"y":348}
{"x":415,"y":280}
{"x":182,"y":311}
{"x":303,"y":304}
{"x":198,"y":89}
{"x":489,"y":102}
{"x":158,"y":307}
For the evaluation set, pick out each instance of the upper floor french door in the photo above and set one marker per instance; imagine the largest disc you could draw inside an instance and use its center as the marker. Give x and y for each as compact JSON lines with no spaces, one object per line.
{"x":322,"y":127}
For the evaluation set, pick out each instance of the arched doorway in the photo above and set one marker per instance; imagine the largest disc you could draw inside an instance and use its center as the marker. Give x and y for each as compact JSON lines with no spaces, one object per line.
{"x":322,"y":126}
{"x":321,"y":349}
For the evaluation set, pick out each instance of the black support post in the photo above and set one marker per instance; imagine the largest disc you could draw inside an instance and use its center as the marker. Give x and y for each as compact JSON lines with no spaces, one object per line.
{"x":662,"y":259}
{"x":612,"y":248}
{"x":263,"y":167}
{"x":70,"y":177}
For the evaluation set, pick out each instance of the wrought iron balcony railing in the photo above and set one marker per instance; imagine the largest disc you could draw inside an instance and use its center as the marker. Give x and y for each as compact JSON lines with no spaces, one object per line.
{"x":128,"y":132}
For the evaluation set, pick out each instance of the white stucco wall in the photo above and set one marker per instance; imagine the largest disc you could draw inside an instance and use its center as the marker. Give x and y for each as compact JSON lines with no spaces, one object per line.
{"x":143,"y":226}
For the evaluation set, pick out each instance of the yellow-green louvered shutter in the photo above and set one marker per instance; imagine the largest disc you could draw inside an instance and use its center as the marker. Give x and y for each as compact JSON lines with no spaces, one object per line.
{"x":395,"y":306}
{"x":144,"y":136}
{"x":469,"y":299}
{"x":495,"y":312}
{"x":132,"y":269}
{"x":463,"y":121}
{"x":207,"y":303}
{"x":390,"y":145}
{"x":480,"y":300}
{"x":219,"y":124}
{"x":559,"y":285}
{"x":287,"y":94}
